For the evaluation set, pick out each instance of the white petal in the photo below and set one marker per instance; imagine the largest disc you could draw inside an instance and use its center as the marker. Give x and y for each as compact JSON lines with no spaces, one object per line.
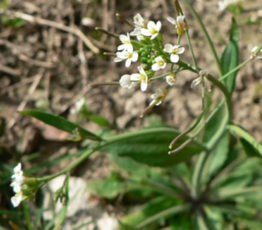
{"x":174,"y":58}
{"x":153,"y":36}
{"x":17,"y":168}
{"x":16,"y":200}
{"x":168,"y":48}
{"x":141,"y":70}
{"x":151,"y":25}
{"x":155,"y":67}
{"x":128,"y":63}
{"x":145,"y":32}
{"x":143,"y":85}
{"x":125,"y":81}
{"x":158,"y":25}
{"x":135,"y":77}
{"x":117,"y":59}
{"x":171,"y":20}
{"x":134,"y":57}
{"x":196,"y":82}
{"x":181,"y":50}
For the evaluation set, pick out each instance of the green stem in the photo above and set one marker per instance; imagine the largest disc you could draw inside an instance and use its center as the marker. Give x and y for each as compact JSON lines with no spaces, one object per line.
{"x":236,"y":68}
{"x":225,"y":91}
{"x":164,"y":214}
{"x":160,"y":76}
{"x":191,"y":48}
{"x":207,"y":37}
{"x":85,"y":154}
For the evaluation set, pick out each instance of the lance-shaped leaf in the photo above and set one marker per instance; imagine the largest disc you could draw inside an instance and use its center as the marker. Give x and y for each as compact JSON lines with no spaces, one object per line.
{"x":251,"y":146}
{"x":150,"y":146}
{"x":230,"y":57}
{"x":61,"y":123}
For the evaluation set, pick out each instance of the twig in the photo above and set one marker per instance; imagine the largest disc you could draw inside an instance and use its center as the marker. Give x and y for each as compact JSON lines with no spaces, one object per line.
{"x":22,"y":105}
{"x":9,"y":70}
{"x":73,"y":30}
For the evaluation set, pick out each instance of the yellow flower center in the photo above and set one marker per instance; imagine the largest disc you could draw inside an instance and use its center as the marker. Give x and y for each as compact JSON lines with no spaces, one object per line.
{"x":175,"y":50}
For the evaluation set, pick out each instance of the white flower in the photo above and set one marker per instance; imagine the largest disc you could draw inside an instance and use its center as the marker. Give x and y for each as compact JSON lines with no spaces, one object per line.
{"x":127,"y":54}
{"x":254,"y":52}
{"x":152,"y":29}
{"x":137,"y":32}
{"x":174,"y":51}
{"x":16,"y":199}
{"x":158,"y":97}
{"x":125,"y":81}
{"x":18,"y":173}
{"x":179,"y":22}
{"x":198,"y":80}
{"x":126,"y":42}
{"x":170,"y":79}
{"x":139,"y":21}
{"x":78,"y":106}
{"x":140,"y":77}
{"x":158,"y":64}
{"x":17,"y":182}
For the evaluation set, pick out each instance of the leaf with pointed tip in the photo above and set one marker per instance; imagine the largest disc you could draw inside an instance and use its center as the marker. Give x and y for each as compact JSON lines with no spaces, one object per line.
{"x":150,"y":146}
{"x":61,"y":123}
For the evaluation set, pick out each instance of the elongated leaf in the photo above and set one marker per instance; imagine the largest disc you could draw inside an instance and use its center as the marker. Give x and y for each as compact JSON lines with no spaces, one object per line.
{"x":217,"y":158}
{"x":150,"y":146}
{"x":216,"y":126}
{"x":60,"y":123}
{"x":251,"y":146}
{"x":230,"y":57}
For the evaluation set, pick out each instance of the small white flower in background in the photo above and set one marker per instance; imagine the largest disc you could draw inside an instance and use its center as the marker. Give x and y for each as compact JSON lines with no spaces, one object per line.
{"x":127,"y":54}
{"x":174,"y":51}
{"x":140,"y":77}
{"x":158,"y":64}
{"x":198,"y":80}
{"x":126,"y":42}
{"x":125,"y":82}
{"x":179,"y":22}
{"x":139,"y":21}
{"x":158,"y":97}
{"x":17,"y":183}
{"x":152,"y":29}
{"x":170,"y":79}
{"x":254,"y":54}
{"x":78,"y":106}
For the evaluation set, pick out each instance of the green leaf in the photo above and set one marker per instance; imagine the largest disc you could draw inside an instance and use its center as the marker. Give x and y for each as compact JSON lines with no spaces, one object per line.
{"x":251,"y":146}
{"x":61,"y":123}
{"x":216,"y":126}
{"x":214,"y":218}
{"x":150,"y":146}
{"x":100,"y":120}
{"x":153,"y":211}
{"x":108,"y":188}
{"x":217,"y":158}
{"x":230,"y":57}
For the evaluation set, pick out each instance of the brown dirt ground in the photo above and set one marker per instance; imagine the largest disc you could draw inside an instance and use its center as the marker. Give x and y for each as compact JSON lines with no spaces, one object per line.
{"x":42,"y":64}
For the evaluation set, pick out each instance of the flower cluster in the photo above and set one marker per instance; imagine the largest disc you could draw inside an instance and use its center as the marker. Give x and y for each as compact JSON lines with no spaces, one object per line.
{"x":17,"y":183}
{"x":144,"y":45}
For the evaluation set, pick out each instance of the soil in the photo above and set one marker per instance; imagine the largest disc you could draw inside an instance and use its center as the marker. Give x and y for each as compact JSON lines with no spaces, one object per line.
{"x":45,"y":63}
